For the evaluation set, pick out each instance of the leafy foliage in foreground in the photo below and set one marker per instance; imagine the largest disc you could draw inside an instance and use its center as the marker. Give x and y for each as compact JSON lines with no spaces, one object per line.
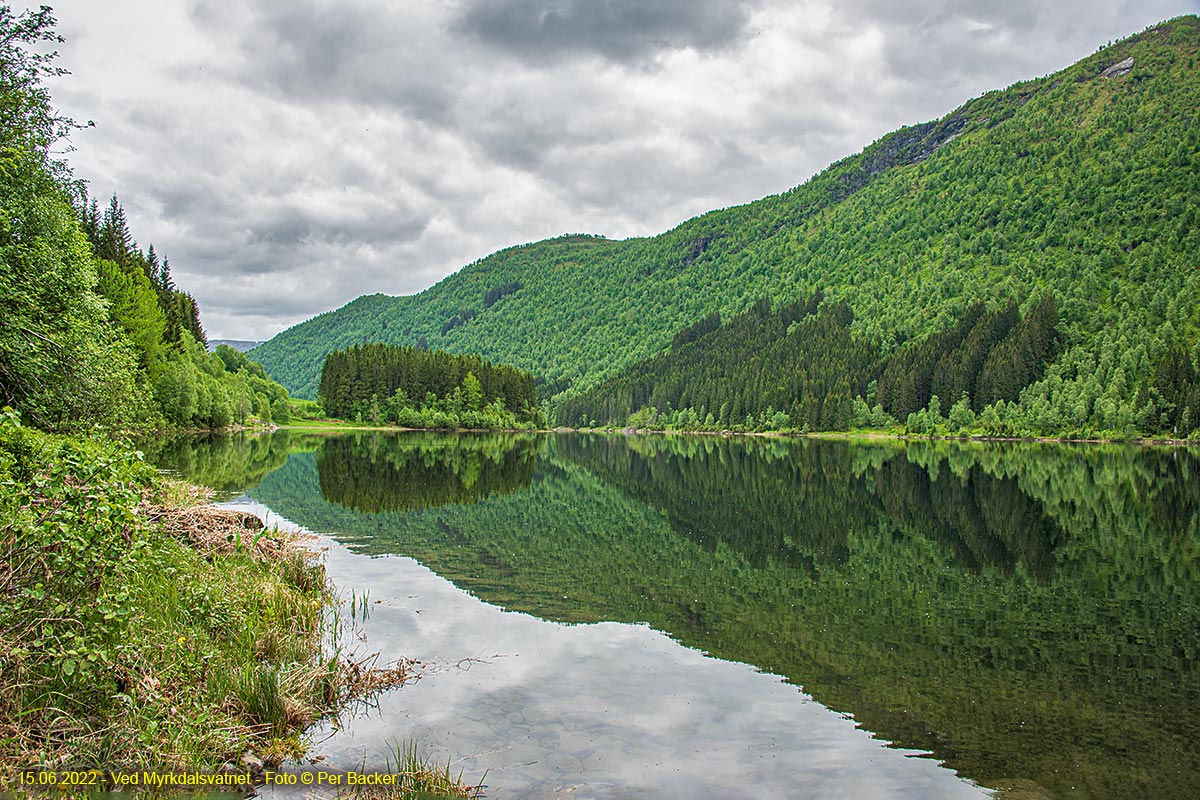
{"x":59,"y":360}
{"x":1078,"y":185}
{"x":123,"y":648}
{"x":92,"y":330}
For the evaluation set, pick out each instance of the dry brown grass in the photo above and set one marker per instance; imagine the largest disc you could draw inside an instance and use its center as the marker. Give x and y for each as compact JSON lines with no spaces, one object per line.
{"x":216,"y":531}
{"x":183,"y":512}
{"x":360,"y":679}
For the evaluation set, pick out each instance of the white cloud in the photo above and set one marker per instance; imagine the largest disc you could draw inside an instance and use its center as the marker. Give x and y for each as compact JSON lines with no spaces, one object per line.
{"x":289,"y":155}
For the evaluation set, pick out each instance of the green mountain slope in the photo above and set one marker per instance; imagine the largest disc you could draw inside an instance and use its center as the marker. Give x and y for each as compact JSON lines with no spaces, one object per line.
{"x":1080,"y":185}
{"x":802,"y":367}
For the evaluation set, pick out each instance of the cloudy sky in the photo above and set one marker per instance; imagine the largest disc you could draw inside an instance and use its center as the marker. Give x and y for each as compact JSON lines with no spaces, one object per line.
{"x":290,"y":155}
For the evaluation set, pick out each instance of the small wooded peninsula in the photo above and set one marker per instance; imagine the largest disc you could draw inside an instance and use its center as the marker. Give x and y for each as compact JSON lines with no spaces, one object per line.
{"x":1067,"y":200}
{"x":416,"y":388}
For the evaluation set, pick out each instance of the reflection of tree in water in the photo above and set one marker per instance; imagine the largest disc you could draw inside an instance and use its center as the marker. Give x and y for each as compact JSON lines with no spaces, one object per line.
{"x":984,"y":520}
{"x":405,"y":472}
{"x":1175,"y":487}
{"x":223,"y":461}
{"x":796,"y":503}
{"x":1016,"y":610}
{"x":787,"y":505}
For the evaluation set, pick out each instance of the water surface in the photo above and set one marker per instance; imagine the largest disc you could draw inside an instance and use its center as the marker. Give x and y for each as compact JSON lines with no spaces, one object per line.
{"x":709,"y":617}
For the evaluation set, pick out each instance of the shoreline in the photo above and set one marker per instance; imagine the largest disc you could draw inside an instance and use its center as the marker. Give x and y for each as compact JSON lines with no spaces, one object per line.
{"x":344,"y":427}
{"x":336,"y":426}
{"x":884,"y":436}
{"x":147,"y":630}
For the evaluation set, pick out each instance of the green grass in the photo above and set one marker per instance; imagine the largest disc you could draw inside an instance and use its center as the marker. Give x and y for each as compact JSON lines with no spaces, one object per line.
{"x":325,"y":423}
{"x":122,"y":647}
{"x":419,"y":778}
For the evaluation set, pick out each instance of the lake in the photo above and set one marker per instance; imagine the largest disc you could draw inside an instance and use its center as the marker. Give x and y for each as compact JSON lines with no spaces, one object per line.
{"x":611,"y":616}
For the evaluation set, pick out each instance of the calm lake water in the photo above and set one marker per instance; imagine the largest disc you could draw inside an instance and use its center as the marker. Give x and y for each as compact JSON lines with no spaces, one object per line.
{"x":702,"y":617}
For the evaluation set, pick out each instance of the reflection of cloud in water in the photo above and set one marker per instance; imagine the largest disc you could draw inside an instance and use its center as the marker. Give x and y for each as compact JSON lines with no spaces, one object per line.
{"x":615,"y":710}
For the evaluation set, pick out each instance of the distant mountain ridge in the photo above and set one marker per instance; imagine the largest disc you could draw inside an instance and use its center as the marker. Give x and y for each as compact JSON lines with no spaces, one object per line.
{"x":1080,"y":184}
{"x":244,"y":345}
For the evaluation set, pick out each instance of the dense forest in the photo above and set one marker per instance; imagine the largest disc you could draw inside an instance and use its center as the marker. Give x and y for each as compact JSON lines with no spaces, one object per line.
{"x":802,"y":367}
{"x":418,"y":388}
{"x":1078,"y":186}
{"x":97,"y":332}
{"x":93,"y":329}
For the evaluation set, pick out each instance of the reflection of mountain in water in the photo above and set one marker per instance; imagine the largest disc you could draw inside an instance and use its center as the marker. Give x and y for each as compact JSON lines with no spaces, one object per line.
{"x":986,"y":521}
{"x":1023,"y":612}
{"x":374,"y":472}
{"x":797,"y":502}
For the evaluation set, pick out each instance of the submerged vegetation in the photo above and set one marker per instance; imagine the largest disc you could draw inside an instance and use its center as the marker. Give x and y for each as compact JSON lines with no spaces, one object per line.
{"x":420,"y":777}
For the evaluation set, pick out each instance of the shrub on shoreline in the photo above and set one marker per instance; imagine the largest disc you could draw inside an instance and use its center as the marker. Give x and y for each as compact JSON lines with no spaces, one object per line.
{"x":126,"y":641}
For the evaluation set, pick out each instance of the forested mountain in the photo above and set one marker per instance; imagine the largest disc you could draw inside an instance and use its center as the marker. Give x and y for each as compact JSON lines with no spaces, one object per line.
{"x":1079,"y":186}
{"x":801,"y":366}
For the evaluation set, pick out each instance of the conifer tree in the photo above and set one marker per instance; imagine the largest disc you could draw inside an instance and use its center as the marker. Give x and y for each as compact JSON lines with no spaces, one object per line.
{"x":116,"y":242}
{"x":151,"y":266}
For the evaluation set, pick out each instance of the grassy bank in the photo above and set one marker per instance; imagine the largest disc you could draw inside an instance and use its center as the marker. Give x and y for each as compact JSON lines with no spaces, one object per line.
{"x":137,"y":635}
{"x":143,"y":630}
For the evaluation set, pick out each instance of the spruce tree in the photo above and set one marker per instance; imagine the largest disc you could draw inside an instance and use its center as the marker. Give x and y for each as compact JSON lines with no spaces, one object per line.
{"x":116,"y":242}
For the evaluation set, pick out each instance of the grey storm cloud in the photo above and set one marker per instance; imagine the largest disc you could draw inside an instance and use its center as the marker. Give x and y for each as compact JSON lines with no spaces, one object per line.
{"x":353,"y":51}
{"x":617,"y":30}
{"x":927,"y":40}
{"x":379,"y":226}
{"x":290,"y":155}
